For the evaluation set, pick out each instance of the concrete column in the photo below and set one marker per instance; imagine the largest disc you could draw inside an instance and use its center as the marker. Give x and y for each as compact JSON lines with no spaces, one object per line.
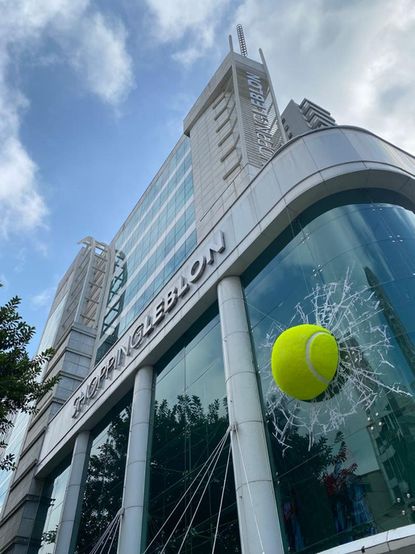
{"x":259,"y":525}
{"x":135,"y":472}
{"x":68,"y":527}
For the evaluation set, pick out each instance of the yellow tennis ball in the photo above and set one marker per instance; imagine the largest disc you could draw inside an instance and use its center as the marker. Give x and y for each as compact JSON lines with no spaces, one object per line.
{"x":304,"y":360}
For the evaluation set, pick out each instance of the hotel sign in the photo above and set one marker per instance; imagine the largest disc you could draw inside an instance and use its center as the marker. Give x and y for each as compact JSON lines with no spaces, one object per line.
{"x":149,"y":323}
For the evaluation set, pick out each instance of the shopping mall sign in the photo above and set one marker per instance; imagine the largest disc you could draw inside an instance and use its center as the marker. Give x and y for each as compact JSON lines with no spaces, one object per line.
{"x":150,"y":322}
{"x":263,"y":135}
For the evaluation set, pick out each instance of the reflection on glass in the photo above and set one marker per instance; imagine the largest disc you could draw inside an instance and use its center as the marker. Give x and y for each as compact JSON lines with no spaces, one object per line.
{"x":49,"y":512}
{"x":104,"y":482}
{"x":358,"y":479}
{"x":190,"y":419}
{"x":155,"y":240}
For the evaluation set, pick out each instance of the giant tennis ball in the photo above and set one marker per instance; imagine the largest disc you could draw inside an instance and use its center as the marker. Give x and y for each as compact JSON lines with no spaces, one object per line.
{"x":304,"y":360}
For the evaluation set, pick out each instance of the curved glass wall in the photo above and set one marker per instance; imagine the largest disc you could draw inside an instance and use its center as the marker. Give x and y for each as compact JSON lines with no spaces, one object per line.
{"x":344,"y":464}
{"x":190,"y":420}
{"x":104,"y":482}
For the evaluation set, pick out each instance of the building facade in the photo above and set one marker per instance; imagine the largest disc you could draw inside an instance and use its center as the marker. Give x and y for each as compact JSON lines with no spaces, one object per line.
{"x":166,"y":431}
{"x":298,"y":119}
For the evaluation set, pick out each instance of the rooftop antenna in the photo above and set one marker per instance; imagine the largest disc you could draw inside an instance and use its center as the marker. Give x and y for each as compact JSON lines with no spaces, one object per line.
{"x":241,"y":38}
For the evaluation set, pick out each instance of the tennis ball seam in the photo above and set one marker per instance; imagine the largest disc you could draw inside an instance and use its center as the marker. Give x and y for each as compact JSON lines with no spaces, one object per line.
{"x":310,"y":365}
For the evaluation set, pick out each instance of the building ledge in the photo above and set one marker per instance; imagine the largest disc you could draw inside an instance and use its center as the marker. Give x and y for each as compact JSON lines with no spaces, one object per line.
{"x":400,"y":540}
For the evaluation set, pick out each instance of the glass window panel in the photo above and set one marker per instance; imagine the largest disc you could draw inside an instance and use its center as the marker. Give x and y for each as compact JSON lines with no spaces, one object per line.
{"x":355,"y":471}
{"x":105,"y":478}
{"x":49,"y":511}
{"x":190,"y":419}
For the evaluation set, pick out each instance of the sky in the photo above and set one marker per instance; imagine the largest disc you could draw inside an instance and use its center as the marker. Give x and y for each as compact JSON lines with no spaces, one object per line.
{"x":93,"y":95}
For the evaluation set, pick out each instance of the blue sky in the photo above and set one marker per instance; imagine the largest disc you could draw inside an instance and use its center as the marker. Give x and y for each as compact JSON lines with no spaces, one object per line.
{"x":93,"y":94}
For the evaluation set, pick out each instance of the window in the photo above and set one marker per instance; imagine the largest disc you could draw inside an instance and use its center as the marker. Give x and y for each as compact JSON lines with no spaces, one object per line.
{"x":190,"y":419}
{"x":347,"y":468}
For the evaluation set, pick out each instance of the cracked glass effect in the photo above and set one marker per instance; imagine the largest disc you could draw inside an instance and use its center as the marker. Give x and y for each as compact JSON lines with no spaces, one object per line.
{"x":363,"y":366}
{"x":344,"y":463}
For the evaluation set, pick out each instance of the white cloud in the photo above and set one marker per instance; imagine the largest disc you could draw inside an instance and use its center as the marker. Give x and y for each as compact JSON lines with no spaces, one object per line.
{"x":20,"y":257}
{"x":21,"y":206}
{"x":187,"y":56}
{"x":176,"y":18}
{"x":195,"y":20}
{"x":43,"y":298}
{"x":354,"y":58}
{"x":94,"y":45}
{"x":101,"y":59}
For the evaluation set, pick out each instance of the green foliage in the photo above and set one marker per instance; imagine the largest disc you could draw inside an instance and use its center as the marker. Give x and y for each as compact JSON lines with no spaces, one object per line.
{"x":183,"y":437}
{"x":104,"y":483}
{"x":49,"y":537}
{"x":20,"y":388}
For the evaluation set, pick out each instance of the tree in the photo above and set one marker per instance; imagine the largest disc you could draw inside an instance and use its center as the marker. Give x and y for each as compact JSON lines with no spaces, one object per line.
{"x":104,"y":484}
{"x":20,"y":386}
{"x":183,"y":437}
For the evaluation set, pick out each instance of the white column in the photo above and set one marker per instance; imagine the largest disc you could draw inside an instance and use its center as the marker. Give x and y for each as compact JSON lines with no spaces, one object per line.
{"x":259,"y":525}
{"x":68,"y":527}
{"x":136,"y":466}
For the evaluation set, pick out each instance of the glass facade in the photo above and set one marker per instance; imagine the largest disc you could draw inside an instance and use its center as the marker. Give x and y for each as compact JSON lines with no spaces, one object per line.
{"x":14,"y":441}
{"x":50,"y":511}
{"x":105,"y":479}
{"x":190,"y":419}
{"x":155,"y":240}
{"x":344,"y":464}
